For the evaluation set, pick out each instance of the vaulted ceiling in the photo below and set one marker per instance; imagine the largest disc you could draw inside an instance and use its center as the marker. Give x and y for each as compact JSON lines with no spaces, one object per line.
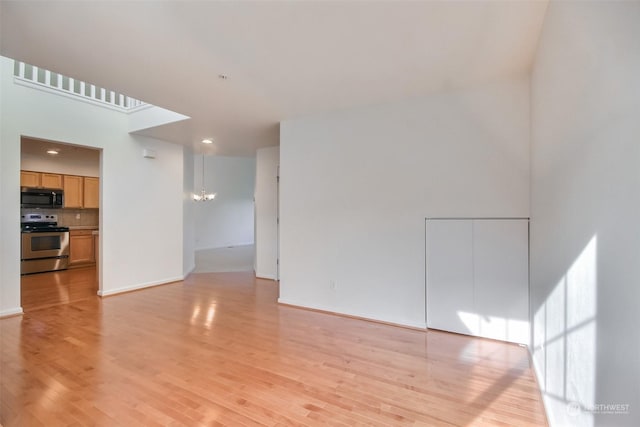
{"x":282,"y":59}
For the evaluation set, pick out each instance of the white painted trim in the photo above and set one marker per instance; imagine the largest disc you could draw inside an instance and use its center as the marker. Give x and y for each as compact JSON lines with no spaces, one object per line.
{"x":231,"y":246}
{"x":72,"y":95}
{"x":185,"y":275}
{"x":140,"y":286}
{"x":11,"y":312}
{"x":139,"y":108}
{"x":266,"y":276}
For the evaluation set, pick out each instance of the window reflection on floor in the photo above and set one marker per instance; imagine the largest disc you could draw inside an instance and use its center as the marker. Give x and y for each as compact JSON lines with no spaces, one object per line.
{"x":58,"y":287}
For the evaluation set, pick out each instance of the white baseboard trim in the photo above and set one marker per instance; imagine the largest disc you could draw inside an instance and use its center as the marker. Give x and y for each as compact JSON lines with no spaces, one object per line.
{"x":418,"y":326}
{"x":10,"y":312}
{"x":185,"y":275}
{"x":266,"y":276}
{"x":124,"y":289}
{"x":232,"y":245}
{"x":539,"y":378}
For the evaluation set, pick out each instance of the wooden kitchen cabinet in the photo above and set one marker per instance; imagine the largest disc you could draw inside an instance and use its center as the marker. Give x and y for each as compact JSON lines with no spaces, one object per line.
{"x":73,"y":191}
{"x":40,"y":179}
{"x":79,"y":191}
{"x":29,"y":179}
{"x":91,"y":192}
{"x":81,"y":248}
{"x":51,"y":180}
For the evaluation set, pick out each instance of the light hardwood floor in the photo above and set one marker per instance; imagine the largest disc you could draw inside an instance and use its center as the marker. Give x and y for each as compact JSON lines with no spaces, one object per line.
{"x":217,"y":349}
{"x":57,"y":287}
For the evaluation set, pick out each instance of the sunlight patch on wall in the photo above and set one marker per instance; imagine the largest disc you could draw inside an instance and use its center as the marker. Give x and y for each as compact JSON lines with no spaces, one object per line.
{"x":495,"y":327}
{"x":565,"y":340}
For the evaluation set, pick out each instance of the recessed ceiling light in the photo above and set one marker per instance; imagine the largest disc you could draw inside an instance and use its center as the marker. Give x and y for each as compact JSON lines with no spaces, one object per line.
{"x":53,"y":152}
{"x":207,"y":141}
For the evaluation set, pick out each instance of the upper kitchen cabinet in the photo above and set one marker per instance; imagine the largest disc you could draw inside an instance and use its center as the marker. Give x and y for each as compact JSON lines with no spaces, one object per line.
{"x":79,"y":191}
{"x":29,"y":179}
{"x":40,"y":179}
{"x":51,"y":180}
{"x":73,"y":191}
{"x":91,"y":192}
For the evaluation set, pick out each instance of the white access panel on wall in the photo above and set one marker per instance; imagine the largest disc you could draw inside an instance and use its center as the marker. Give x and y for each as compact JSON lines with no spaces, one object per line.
{"x":477,"y":277}
{"x":501,"y":279}
{"x":449,"y":274}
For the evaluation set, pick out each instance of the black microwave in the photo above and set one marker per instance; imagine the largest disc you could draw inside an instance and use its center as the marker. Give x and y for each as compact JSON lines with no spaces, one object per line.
{"x":41,"y":198}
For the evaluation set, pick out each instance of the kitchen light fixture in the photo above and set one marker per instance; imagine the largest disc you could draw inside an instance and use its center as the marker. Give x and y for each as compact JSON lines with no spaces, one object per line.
{"x":207,"y":141}
{"x":53,"y":152}
{"x":203,"y":196}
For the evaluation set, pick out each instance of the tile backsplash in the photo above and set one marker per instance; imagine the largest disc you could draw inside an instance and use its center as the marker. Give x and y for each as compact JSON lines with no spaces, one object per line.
{"x":69,"y":217}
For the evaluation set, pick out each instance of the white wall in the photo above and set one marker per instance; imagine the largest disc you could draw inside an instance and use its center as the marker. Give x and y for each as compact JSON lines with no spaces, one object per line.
{"x":266,"y":212}
{"x":228,"y":219}
{"x":585,"y":208}
{"x":188,"y":209}
{"x":356,"y":186}
{"x":141,"y":215}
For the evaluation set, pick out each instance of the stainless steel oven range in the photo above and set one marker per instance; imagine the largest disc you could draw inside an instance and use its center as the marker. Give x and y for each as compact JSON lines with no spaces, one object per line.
{"x":45,"y":245}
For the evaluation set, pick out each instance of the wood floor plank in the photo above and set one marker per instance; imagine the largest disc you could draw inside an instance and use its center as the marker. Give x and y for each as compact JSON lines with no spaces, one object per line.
{"x":217,"y":349}
{"x":57,"y":287}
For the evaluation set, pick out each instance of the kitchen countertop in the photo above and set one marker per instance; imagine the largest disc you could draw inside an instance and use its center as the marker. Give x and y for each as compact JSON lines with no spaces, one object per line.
{"x":83,"y":227}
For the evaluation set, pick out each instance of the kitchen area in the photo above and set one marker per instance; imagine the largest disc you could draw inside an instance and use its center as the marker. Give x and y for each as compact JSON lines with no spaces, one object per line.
{"x":59,"y":221}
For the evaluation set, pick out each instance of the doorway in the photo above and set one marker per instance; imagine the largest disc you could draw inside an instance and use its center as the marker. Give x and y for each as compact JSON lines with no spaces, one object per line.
{"x":73,"y":171}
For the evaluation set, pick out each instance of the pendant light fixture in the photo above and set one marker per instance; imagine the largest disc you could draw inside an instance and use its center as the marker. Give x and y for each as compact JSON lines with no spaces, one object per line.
{"x":203,"y":196}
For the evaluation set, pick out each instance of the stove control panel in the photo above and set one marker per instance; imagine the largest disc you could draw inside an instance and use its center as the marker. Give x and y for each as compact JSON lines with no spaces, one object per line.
{"x":29,"y":218}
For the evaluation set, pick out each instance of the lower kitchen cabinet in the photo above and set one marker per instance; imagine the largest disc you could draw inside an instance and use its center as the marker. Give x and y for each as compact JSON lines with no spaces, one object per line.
{"x":81,"y":248}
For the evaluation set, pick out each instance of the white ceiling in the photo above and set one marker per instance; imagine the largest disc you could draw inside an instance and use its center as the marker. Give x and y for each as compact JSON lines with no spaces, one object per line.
{"x":37,"y":148}
{"x":284,"y":59}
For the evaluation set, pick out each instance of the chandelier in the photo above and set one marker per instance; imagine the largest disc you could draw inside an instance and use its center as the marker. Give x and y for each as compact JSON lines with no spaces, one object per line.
{"x":203,"y":196}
